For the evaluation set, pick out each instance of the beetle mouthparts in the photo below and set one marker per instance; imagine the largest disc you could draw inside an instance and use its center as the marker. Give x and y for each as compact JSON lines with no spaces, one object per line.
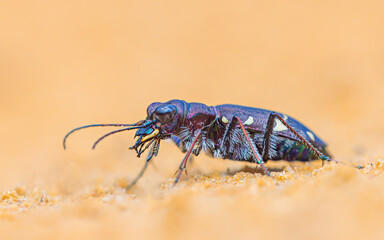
{"x":145,"y":134}
{"x":153,"y":134}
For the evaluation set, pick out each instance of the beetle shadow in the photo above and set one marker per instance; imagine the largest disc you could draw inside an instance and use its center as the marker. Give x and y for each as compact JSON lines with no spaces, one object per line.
{"x":253,"y":170}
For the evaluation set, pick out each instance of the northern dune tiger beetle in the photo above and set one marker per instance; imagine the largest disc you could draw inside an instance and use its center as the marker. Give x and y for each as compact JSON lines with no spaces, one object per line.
{"x":225,"y":131}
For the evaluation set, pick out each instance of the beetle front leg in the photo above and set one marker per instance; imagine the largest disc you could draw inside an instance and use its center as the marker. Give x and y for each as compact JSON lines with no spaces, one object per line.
{"x":230,"y":127}
{"x":183,"y":163}
{"x":153,"y":153}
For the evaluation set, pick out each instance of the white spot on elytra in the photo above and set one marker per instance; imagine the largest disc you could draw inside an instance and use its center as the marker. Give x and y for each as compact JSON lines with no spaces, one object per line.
{"x":224,"y":119}
{"x":311,"y":136}
{"x":279,"y":126}
{"x":249,"y":121}
{"x":285,"y":117}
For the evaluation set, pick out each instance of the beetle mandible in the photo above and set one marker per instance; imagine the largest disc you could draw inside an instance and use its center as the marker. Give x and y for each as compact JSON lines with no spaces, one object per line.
{"x":225,"y":131}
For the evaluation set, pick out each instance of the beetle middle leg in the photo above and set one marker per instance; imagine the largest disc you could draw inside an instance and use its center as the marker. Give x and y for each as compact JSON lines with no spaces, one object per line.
{"x":231,"y":127}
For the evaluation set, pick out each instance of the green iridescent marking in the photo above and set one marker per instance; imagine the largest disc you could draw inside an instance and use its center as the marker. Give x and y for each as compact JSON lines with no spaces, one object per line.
{"x":302,"y":147}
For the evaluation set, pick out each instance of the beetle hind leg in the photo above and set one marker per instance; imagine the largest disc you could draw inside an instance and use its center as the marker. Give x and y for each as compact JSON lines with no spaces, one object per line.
{"x":308,"y":144}
{"x":268,"y":133}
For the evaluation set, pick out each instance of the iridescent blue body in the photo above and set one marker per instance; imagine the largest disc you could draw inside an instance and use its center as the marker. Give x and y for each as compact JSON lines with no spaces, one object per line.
{"x":284,"y":145}
{"x":225,"y":131}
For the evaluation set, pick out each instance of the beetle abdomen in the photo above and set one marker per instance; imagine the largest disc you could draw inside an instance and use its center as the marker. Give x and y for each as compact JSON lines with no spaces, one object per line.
{"x":290,"y":150}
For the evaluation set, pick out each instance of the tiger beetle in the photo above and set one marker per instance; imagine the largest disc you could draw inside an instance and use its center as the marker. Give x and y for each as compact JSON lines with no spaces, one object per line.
{"x":225,"y":131}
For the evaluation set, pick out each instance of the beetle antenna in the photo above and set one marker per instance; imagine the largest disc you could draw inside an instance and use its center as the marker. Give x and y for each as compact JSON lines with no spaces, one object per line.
{"x":113,"y":132}
{"x":100,"y":125}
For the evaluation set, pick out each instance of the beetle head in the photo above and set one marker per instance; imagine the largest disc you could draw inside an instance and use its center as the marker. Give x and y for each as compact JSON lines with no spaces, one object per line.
{"x":163,"y":119}
{"x":169,"y":116}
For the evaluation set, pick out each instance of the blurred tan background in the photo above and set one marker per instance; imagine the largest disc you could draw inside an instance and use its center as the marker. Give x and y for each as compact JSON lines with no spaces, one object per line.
{"x":69,"y":63}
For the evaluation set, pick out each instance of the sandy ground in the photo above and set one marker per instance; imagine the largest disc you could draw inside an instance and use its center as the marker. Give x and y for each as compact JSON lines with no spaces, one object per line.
{"x":68,"y":63}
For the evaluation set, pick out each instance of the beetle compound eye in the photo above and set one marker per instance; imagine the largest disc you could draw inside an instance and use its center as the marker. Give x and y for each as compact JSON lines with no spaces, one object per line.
{"x":165,"y":113}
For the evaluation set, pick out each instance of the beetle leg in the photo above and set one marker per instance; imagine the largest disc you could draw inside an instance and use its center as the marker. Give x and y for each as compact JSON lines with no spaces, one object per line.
{"x":255,"y":151}
{"x":270,"y":123}
{"x":269,"y":131}
{"x":267,"y":136}
{"x":152,"y":153}
{"x":230,"y":127}
{"x":183,"y":163}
